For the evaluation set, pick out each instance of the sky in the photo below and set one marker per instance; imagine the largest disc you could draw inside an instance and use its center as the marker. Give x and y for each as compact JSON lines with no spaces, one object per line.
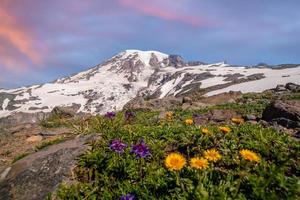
{"x":41,"y":40}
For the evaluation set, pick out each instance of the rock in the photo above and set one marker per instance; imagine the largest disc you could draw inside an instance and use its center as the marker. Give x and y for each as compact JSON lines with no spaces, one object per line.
{"x":292,"y":87}
{"x":227,"y":97}
{"x":4,"y":173}
{"x":215,"y":116}
{"x":280,"y":88}
{"x":22,"y":118}
{"x":53,"y":132}
{"x":284,"y":113}
{"x":250,"y":117}
{"x":264,"y":123}
{"x":38,"y":174}
{"x":252,"y":121}
{"x":297,"y":134}
{"x":187,"y":100}
{"x":285,"y":122}
{"x":35,"y":138}
{"x":166,"y":103}
{"x":68,"y":111}
{"x":175,"y":60}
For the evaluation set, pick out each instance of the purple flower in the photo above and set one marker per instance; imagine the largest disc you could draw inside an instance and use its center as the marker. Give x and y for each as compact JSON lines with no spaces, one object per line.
{"x":196,"y":115}
{"x":141,"y":150}
{"x":129,"y":115}
{"x":127,"y":197}
{"x":110,"y":115}
{"x":118,"y":146}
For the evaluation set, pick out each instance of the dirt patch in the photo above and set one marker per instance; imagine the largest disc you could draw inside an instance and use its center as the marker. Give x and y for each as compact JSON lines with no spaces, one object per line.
{"x":14,"y":144}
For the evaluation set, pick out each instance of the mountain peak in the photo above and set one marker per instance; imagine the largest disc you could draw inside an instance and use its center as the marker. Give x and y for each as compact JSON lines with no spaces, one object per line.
{"x":144,"y":56}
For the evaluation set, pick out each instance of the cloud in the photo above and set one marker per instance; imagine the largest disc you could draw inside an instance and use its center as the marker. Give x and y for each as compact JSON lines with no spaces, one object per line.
{"x":19,"y":41}
{"x":166,"y":14}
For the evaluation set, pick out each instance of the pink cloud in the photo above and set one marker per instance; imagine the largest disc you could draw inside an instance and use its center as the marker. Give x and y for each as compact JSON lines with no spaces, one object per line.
{"x":19,"y":42}
{"x":150,"y":8}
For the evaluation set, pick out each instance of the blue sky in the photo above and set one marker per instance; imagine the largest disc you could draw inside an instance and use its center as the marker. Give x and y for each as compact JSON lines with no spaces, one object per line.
{"x":43,"y":40}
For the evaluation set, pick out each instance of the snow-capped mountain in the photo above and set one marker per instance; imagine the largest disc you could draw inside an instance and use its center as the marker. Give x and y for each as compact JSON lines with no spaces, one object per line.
{"x":110,"y":85}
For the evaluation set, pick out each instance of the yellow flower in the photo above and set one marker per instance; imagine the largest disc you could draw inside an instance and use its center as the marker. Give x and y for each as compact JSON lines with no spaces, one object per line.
{"x":205,"y":131}
{"x":249,"y":155}
{"x":199,"y":163}
{"x":237,"y":120}
{"x":224,"y":129}
{"x":189,"y":121}
{"x":175,"y":161}
{"x":212,"y":155}
{"x":169,"y":116}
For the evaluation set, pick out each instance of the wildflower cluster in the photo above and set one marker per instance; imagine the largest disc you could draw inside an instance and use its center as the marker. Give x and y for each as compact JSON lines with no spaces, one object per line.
{"x":118,"y":146}
{"x":110,"y":115}
{"x":169,"y":116}
{"x":141,"y":150}
{"x":143,"y":158}
{"x":176,"y":161}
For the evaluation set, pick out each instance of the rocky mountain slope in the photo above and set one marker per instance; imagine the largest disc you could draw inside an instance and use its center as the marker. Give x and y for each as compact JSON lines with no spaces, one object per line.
{"x":150,"y":74}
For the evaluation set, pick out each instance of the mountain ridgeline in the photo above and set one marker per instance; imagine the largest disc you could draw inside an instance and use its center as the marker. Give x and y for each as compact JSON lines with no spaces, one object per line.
{"x":149,"y":74}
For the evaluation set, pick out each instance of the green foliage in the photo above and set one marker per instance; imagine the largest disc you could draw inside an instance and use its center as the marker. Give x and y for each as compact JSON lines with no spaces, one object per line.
{"x":49,"y":143}
{"x":295,"y":96}
{"x":104,"y":174}
{"x":19,"y":157}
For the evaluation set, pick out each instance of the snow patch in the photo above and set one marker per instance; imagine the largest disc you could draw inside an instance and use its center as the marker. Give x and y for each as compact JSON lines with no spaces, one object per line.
{"x":5,"y":103}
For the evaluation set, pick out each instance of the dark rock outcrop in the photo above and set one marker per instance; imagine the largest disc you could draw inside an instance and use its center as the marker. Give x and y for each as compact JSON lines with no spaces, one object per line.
{"x":38,"y":174}
{"x":292,"y":87}
{"x":280,"y":88}
{"x":284,"y":113}
{"x":174,"y":60}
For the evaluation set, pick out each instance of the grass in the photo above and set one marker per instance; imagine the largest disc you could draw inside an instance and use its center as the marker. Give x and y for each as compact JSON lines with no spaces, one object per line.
{"x":102,"y":173}
{"x":49,"y":143}
{"x":19,"y":157}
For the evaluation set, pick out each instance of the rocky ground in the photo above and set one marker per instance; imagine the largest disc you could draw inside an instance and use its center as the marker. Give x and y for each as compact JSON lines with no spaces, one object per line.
{"x":36,"y":157}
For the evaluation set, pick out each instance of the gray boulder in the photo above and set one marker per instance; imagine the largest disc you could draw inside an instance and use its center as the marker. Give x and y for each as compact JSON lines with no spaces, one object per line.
{"x":35,"y":176}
